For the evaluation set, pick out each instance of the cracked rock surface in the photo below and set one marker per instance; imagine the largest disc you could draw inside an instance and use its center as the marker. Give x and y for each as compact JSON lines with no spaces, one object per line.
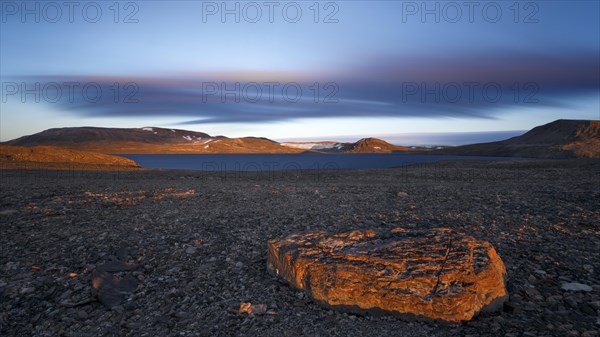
{"x":432,"y":273}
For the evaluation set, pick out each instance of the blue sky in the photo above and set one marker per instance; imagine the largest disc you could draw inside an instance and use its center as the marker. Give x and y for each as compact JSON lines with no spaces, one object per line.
{"x":381,"y":68}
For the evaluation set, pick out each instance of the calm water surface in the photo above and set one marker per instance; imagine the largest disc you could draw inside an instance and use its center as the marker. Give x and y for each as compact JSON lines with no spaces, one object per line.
{"x":273,"y":162}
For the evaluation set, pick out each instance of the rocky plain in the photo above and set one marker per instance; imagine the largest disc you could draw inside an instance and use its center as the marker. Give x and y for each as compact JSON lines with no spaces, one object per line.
{"x":184,"y":253}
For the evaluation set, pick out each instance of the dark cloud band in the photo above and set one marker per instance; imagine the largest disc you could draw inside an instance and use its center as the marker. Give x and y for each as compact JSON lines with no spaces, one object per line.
{"x":467,"y":87}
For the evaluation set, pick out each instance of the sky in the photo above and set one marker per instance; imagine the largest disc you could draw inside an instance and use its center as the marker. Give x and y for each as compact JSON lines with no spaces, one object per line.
{"x":409,"y":72}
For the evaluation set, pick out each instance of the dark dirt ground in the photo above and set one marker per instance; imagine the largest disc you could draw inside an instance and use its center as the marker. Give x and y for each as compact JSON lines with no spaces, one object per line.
{"x":199,"y":240}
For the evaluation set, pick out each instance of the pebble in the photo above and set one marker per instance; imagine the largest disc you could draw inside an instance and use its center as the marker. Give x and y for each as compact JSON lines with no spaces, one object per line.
{"x":571,"y":302}
{"x":589,"y":334}
{"x":574,"y":286}
{"x":532,"y":279}
{"x":587,"y":309}
{"x":8,"y":211}
{"x":512,"y":307}
{"x":27,"y":290}
{"x":82,"y":314}
{"x":534,"y":294}
{"x":190,"y":250}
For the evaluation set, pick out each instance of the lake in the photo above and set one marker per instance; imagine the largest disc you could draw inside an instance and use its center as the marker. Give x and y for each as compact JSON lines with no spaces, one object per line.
{"x":276,"y":162}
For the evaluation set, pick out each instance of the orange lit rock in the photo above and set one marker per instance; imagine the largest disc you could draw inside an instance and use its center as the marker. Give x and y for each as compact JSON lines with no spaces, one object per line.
{"x":433,"y":273}
{"x":255,"y":309}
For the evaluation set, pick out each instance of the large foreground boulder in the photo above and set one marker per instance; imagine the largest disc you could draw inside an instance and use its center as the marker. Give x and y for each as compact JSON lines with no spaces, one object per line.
{"x":435,"y":273}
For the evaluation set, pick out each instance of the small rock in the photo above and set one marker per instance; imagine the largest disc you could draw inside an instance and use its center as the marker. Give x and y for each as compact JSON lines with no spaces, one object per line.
{"x":82,"y":314}
{"x":8,"y":212}
{"x":532,"y":279}
{"x":565,"y":327}
{"x":239,"y":265}
{"x":181,"y":314}
{"x":587,"y":309}
{"x":112,"y":291}
{"x":252,"y":309}
{"x":27,"y":290}
{"x":512,"y":308}
{"x":116,"y":266}
{"x":554,"y":299}
{"x":571,"y":302}
{"x":534,"y":294}
{"x":190,"y":250}
{"x":574,"y":286}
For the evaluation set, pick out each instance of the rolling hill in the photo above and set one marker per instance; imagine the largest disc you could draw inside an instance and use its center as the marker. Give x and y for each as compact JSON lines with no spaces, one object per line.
{"x":375,"y":145}
{"x":155,"y":140}
{"x":148,"y":140}
{"x":559,"y":139}
{"x":19,"y":156}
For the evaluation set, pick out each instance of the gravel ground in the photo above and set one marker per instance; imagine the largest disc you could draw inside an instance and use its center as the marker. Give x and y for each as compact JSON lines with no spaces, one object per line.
{"x":196,"y":242}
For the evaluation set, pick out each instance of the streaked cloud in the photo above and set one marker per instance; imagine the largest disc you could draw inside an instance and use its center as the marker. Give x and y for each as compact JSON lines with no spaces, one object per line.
{"x":473,"y":86}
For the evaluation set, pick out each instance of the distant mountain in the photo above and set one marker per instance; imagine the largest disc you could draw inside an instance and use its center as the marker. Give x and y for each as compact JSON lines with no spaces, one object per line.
{"x":85,"y":135}
{"x":15,"y":156}
{"x":365,"y":145}
{"x":164,"y":141}
{"x":318,"y":146}
{"x":559,"y":139}
{"x":374,"y":145}
{"x":148,"y":140}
